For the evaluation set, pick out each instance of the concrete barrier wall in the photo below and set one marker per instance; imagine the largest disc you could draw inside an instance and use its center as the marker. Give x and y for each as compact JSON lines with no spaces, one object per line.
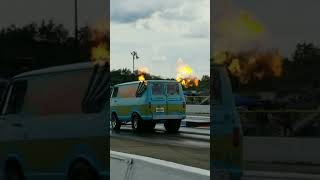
{"x":203,"y":109}
{"x":281,"y":149}
{"x":132,"y":167}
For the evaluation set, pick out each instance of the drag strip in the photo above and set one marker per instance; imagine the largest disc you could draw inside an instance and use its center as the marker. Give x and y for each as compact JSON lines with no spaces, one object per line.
{"x":191,"y":146}
{"x":186,"y":137}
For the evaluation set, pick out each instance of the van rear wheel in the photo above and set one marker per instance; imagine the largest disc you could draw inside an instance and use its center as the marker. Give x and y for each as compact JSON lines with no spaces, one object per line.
{"x":13,"y":171}
{"x":81,"y":170}
{"x":136,"y":123}
{"x":115,"y":123}
{"x":149,"y":125}
{"x":172,"y":126}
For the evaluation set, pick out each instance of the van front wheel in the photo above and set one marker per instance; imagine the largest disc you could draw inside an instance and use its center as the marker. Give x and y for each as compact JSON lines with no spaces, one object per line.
{"x":149,"y":126}
{"x":13,"y":171}
{"x":81,"y":170}
{"x":172,"y":126}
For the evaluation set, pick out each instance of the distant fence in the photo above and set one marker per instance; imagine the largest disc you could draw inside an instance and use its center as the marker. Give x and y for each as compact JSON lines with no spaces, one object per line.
{"x":276,"y":123}
{"x":132,"y":167}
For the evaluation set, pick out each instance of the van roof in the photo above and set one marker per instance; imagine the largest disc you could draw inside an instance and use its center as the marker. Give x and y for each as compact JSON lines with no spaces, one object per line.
{"x":151,"y":81}
{"x":62,"y":68}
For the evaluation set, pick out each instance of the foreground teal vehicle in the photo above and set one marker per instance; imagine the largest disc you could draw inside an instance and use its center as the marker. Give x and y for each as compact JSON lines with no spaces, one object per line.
{"x":145,"y":103}
{"x":226,"y":132}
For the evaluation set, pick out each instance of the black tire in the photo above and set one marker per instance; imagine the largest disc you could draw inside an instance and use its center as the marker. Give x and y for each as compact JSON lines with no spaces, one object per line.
{"x":137,"y":124}
{"x":149,"y":126}
{"x":13,"y":171}
{"x":115,"y":123}
{"x":172,"y":126}
{"x":81,"y":170}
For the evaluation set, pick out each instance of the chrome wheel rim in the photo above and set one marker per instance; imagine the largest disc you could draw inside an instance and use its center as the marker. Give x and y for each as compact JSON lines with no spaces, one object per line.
{"x":135,"y":123}
{"x":113,"y":122}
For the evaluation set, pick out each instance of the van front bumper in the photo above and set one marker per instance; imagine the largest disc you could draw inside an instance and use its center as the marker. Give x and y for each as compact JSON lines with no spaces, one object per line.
{"x":163,"y":117}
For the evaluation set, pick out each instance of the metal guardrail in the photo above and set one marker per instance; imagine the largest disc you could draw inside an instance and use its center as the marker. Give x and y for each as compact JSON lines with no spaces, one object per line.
{"x":262,"y":175}
{"x":279,"y":111}
{"x":198,"y":100}
{"x":281,"y":122}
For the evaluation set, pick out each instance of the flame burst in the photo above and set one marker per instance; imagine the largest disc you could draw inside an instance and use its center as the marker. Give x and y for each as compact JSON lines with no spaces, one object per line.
{"x":99,"y":49}
{"x":185,"y":75}
{"x":238,"y":36}
{"x":236,"y":29}
{"x":142,"y":72}
{"x":252,"y":64}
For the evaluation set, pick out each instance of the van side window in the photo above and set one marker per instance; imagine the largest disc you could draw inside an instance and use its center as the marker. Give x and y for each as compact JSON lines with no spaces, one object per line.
{"x":115,"y":92}
{"x":70,"y":92}
{"x":127,"y":91}
{"x":57,"y":93}
{"x":17,"y":96}
{"x":157,"y":89}
{"x":172,"y":89}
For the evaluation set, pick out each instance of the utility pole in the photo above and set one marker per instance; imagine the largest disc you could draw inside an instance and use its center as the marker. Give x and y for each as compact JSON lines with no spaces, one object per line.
{"x":134,"y":57}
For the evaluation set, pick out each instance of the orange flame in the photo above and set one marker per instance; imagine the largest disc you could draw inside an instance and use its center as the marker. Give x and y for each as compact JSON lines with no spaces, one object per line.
{"x":251,"y":65}
{"x":185,"y":75}
{"x":99,"y":50}
{"x":142,"y":72}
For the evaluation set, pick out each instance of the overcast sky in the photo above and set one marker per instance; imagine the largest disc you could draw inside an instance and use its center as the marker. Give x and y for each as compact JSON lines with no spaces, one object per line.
{"x":21,"y":12}
{"x":285,"y":22}
{"x":161,"y":31}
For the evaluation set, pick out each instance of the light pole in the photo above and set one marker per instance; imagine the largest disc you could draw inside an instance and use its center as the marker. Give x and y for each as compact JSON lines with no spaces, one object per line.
{"x":76,"y":21}
{"x":134,"y":57}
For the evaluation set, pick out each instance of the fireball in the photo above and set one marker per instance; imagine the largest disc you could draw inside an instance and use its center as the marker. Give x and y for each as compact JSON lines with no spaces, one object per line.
{"x":252,"y":64}
{"x":99,"y":47}
{"x":185,"y":75}
{"x":142,"y":72}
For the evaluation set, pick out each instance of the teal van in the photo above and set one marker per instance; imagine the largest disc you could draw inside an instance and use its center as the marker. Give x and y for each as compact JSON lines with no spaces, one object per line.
{"x":145,"y":103}
{"x":53,"y":125}
{"x":226,"y":132}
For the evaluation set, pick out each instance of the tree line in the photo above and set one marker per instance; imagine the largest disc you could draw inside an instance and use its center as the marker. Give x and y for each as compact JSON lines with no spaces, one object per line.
{"x":125,"y":75}
{"x":36,"y":46}
{"x":300,"y":72}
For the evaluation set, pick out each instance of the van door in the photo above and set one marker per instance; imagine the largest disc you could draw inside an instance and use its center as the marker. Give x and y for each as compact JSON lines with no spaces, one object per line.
{"x":158,"y":99}
{"x":11,"y":121}
{"x":174,"y":98}
{"x":114,"y":99}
